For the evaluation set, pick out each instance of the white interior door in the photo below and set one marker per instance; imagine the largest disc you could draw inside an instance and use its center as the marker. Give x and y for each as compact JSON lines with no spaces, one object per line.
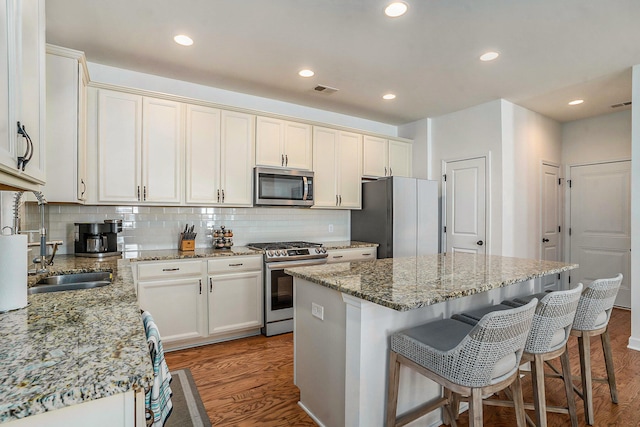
{"x":600,"y":233}
{"x":465,"y":204}
{"x":550,"y":227}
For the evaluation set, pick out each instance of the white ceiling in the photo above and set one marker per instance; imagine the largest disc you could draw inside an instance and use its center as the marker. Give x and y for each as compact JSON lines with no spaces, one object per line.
{"x":552,"y":51}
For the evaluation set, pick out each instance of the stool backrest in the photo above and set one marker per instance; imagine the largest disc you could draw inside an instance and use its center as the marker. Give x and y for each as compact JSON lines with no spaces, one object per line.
{"x":497,"y":335}
{"x":598,"y":298}
{"x":554,"y":315}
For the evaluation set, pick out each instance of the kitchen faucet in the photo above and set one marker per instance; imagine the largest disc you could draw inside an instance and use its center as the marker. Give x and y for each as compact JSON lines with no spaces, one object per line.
{"x":42,"y":259}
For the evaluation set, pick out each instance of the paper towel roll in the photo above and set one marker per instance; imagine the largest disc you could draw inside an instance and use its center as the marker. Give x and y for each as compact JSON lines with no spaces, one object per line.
{"x":13,"y":272}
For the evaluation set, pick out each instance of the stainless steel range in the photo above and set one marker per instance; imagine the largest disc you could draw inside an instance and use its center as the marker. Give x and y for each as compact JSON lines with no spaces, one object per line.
{"x":278,"y":286}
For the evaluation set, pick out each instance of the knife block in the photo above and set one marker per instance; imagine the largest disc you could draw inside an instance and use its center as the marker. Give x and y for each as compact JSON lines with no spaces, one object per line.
{"x":187,"y":245}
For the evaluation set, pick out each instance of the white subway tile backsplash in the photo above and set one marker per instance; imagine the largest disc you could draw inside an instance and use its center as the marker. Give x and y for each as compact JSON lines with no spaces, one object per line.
{"x":148,"y":227}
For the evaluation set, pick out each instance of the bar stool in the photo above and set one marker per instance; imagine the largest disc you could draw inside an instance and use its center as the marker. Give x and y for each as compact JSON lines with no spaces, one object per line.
{"x":466,"y":360}
{"x":547,"y":340}
{"x":592,"y":319}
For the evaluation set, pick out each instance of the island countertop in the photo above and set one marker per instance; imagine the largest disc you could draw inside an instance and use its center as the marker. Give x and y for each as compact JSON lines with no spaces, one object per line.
{"x":408,"y":283}
{"x":69,"y":347}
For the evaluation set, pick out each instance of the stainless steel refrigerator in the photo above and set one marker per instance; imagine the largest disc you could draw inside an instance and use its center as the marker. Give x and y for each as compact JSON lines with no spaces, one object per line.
{"x":400,"y":214}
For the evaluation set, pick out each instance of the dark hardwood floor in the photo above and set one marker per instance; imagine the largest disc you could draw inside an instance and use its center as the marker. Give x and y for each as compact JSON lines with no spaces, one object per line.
{"x":249,"y":382}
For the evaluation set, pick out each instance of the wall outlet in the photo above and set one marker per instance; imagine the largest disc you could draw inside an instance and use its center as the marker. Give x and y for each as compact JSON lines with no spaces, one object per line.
{"x":317,"y":311}
{"x":330,"y":228}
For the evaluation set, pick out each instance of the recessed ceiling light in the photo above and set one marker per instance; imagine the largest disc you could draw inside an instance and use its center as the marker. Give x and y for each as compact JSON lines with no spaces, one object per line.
{"x":306,"y":73}
{"x":395,"y":9}
{"x":489,"y":56}
{"x":183,"y":40}
{"x":576,"y":102}
{"x":389,"y":96}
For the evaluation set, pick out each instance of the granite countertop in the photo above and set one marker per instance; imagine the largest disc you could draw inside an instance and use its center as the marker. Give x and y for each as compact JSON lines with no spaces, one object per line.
{"x":169,"y":254}
{"x":348,"y":244}
{"x":65,"y":348}
{"x":407,"y":283}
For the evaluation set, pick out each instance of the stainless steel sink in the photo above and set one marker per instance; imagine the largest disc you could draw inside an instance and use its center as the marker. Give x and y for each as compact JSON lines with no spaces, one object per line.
{"x":68,"y":282}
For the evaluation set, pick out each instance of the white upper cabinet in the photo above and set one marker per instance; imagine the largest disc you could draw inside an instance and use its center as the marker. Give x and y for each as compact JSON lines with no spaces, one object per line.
{"x":375,"y":157}
{"x":281,"y":143}
{"x":161,"y":151}
{"x":400,"y":158}
{"x":237,"y":158}
{"x":203,"y":154}
{"x":337,"y":166}
{"x":22,"y":81}
{"x":66,"y":126}
{"x":383,"y":157}
{"x":119,"y":146}
{"x":219,"y":147}
{"x":139,"y":149}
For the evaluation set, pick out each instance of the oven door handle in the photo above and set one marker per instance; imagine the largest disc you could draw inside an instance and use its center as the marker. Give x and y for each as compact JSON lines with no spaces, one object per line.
{"x":283,"y":265}
{"x":306,"y":188}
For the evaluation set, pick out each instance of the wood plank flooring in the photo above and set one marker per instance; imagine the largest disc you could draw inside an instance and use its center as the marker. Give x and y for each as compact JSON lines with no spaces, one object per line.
{"x":249,"y":382}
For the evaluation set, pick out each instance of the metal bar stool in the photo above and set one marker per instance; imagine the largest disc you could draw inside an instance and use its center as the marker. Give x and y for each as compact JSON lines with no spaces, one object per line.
{"x":592,"y":319}
{"x":466,"y":360}
{"x":547,"y":340}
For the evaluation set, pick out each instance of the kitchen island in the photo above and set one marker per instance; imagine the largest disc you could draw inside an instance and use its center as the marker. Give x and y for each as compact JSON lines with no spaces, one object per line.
{"x":345,"y":313}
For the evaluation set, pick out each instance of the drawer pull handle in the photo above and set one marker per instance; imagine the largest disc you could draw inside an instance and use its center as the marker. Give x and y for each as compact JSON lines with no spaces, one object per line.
{"x":236,"y":265}
{"x":338,"y":256}
{"x":171,"y":269}
{"x":366,"y":254}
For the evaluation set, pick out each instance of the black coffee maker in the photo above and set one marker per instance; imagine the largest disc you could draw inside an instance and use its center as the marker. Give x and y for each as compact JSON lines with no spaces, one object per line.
{"x":97,"y":240}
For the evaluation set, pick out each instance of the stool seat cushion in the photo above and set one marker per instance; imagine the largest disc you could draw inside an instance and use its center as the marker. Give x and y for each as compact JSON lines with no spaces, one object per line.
{"x":442,"y":335}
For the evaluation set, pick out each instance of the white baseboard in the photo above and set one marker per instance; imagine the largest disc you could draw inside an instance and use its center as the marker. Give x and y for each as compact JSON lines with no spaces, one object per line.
{"x":634,"y":343}
{"x":313,"y":417}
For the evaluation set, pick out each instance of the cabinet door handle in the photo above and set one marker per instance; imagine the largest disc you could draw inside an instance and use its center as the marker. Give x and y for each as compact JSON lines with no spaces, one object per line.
{"x":223,"y":196}
{"x":390,"y":171}
{"x":84,"y":187}
{"x":144,"y":193}
{"x":281,"y":159}
{"x":340,"y":199}
{"x":218,"y":195}
{"x":171,"y":269}
{"x":336,"y":200}
{"x":286,"y":160}
{"x":385,"y":171}
{"x":138,"y":193}
{"x":200,"y":283}
{"x":236,"y":265}
{"x":210,"y":285}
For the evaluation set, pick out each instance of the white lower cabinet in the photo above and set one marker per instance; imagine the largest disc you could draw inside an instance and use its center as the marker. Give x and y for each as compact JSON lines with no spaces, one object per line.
{"x":201,"y":301}
{"x":173,"y":293}
{"x":235,"y":294}
{"x":352,"y":254}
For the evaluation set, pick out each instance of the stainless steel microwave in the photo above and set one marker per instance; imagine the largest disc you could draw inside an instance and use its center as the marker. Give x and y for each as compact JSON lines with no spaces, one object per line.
{"x":283,"y":187}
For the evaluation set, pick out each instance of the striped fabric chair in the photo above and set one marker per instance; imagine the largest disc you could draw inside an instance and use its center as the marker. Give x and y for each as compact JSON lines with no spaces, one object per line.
{"x":592,"y":319}
{"x":547,"y":340}
{"x":466,"y":360}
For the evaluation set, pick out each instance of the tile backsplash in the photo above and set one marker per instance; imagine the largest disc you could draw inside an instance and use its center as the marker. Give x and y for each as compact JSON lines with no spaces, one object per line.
{"x":150,"y":227}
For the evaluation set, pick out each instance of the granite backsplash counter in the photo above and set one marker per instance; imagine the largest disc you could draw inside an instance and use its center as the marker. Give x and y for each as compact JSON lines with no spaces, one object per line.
{"x":69,"y":347}
{"x":408,"y":283}
{"x":170,"y":254}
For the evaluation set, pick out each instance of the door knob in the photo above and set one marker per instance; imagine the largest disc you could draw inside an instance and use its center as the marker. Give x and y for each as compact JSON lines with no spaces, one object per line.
{"x":479,"y":243}
{"x":545,"y":240}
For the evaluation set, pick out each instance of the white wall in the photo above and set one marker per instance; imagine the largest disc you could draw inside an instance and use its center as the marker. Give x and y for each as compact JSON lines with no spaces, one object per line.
{"x":634,"y":340}
{"x":597,"y":139}
{"x":473,"y":132}
{"x":121,"y":77}
{"x":529,"y":139}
